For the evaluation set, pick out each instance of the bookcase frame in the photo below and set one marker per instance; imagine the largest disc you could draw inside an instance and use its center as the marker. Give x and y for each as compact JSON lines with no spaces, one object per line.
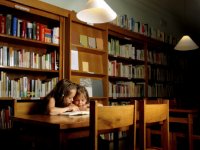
{"x":94,"y":58}
{"x":43,"y":13}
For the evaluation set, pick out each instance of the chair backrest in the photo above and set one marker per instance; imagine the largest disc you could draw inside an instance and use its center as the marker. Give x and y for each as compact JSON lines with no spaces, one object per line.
{"x":154,"y":113}
{"x":30,"y":107}
{"x":106,"y":119}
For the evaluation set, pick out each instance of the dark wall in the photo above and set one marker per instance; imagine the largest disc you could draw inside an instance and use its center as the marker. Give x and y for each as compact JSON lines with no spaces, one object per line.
{"x":187,"y":91}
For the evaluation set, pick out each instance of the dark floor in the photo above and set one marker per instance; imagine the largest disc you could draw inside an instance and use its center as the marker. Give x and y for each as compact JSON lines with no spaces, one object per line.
{"x":10,"y":142}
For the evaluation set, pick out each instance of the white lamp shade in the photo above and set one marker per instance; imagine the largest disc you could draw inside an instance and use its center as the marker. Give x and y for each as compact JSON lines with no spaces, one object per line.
{"x":186,"y":43}
{"x":96,"y":11}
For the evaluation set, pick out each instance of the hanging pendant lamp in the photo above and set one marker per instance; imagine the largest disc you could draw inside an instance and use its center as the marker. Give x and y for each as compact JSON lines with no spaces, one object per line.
{"x":186,"y":43}
{"x":96,"y":11}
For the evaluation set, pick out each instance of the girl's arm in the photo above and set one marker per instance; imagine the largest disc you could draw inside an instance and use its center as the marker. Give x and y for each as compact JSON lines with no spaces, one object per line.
{"x":52,"y":110}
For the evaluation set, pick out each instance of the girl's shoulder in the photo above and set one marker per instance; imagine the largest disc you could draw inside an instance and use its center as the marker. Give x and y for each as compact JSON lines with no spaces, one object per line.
{"x":52,"y":99}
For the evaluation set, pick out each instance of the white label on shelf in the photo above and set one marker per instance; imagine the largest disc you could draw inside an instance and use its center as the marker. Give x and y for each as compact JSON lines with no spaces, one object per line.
{"x":22,"y":8}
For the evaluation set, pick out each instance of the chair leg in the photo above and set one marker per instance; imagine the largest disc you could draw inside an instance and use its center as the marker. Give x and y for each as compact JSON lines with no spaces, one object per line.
{"x":148,"y":137}
{"x":116,"y":141}
{"x":173,"y":141}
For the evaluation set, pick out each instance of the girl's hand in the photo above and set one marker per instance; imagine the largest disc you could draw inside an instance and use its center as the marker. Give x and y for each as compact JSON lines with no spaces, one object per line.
{"x":73,"y":108}
{"x":84,"y":108}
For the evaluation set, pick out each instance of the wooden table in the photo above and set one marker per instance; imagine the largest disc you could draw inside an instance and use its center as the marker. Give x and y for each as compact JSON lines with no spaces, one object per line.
{"x":184,"y":116}
{"x":56,"y":128}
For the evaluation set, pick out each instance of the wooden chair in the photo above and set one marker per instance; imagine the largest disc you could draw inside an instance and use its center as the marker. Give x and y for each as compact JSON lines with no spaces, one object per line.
{"x":30,"y":107}
{"x":156,"y":113}
{"x":24,"y":138}
{"x":107,"y":119}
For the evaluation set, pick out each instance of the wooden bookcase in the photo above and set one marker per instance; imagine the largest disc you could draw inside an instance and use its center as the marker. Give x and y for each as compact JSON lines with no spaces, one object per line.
{"x":88,"y":58}
{"x":160,"y":69}
{"x":31,"y":48}
{"x":138,"y":66}
{"x":126,"y":64}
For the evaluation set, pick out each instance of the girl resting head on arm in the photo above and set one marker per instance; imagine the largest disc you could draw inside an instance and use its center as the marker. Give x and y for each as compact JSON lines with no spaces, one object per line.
{"x":61,"y":97}
{"x":81,"y":99}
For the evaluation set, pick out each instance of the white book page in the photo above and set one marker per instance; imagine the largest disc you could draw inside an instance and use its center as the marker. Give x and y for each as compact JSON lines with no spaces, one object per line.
{"x":75,"y":113}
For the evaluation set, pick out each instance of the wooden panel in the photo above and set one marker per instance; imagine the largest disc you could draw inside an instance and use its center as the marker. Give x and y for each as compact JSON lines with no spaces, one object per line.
{"x":94,"y":62}
{"x":78,"y":29}
{"x":44,"y":6}
{"x":29,"y":107}
{"x":112,"y":117}
{"x":159,"y":112}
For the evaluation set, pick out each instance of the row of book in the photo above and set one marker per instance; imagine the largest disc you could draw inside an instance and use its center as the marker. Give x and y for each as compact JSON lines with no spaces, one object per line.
{"x":5,"y":117}
{"x":154,"y":57}
{"x":160,"y":74}
{"x":124,"y":50}
{"x":12,"y":25}
{"x":129,"y":51}
{"x":120,"y":69}
{"x":15,"y":57}
{"x":126,"y":89}
{"x":160,"y":90}
{"x":24,"y":86}
{"x":91,"y":42}
{"x":129,"y":23}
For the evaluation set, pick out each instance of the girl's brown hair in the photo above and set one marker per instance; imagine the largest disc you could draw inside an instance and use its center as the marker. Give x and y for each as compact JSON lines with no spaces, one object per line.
{"x":82,"y":90}
{"x":62,"y":89}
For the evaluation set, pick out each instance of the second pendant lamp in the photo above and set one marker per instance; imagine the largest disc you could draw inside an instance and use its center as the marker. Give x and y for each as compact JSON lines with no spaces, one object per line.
{"x":186,"y":43}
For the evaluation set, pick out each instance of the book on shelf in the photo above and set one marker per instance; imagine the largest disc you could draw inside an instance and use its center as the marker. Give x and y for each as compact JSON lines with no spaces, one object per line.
{"x":85,"y":66}
{"x":47,"y":35}
{"x":2,"y":24}
{"x":137,"y":27}
{"x":87,"y":83}
{"x":8,"y":24}
{"x":97,"y":88}
{"x":19,"y":22}
{"x":74,"y":59}
{"x":93,"y":86}
{"x":14,"y":25}
{"x":55,"y":35}
{"x":75,"y":113}
{"x":29,"y":30}
{"x":91,"y":42}
{"x":84,"y":40}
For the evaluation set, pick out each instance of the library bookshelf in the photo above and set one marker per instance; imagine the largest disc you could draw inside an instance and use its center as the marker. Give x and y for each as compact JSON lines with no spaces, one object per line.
{"x":31,"y":51}
{"x":138,"y":66}
{"x":88,"y":55}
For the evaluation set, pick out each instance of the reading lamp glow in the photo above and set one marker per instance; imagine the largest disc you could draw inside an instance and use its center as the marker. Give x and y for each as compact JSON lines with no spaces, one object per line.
{"x":96,"y":11}
{"x":186,"y":43}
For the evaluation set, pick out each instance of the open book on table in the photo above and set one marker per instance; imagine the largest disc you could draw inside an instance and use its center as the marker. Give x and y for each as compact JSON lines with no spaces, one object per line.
{"x":75,"y":113}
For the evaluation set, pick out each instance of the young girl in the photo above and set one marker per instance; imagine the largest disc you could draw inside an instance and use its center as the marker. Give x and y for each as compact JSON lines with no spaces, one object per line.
{"x":81,"y":99}
{"x":61,"y":97}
